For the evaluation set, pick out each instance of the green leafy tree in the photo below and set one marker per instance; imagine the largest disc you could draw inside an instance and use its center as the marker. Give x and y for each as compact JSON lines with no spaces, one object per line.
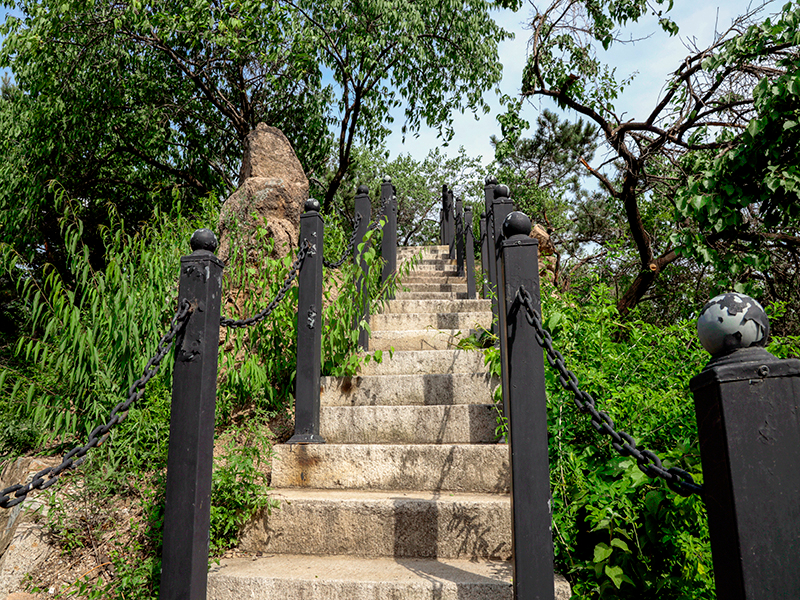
{"x":565,"y":64}
{"x":435,"y":57}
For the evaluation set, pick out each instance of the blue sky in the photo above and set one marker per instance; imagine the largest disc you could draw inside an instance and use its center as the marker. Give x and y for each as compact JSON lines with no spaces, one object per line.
{"x":653,"y":58}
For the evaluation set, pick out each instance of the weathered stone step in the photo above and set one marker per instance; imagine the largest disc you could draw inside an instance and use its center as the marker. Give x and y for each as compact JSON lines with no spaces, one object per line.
{"x":438,"y":260}
{"x":432,"y":277}
{"x":448,"y":424}
{"x":432,"y":320}
{"x":431,"y":296}
{"x":383,"y":523}
{"x":415,"y":339}
{"x":471,"y":468}
{"x":396,"y":390}
{"x":293,"y":577}
{"x":436,"y":306}
{"x":409,"y":362}
{"x":435,"y":287}
{"x":436,"y":267}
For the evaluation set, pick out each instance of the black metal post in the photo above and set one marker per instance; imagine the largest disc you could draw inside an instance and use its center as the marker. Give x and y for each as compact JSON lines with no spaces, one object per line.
{"x":501,"y":207}
{"x":363,"y":207}
{"x":309,"y":329}
{"x":491,"y":273}
{"x":389,"y":241}
{"x":469,"y":252}
{"x":452,"y":235}
{"x":484,"y":256}
{"x":184,"y":558}
{"x":447,"y":217}
{"x":523,"y":377}
{"x":459,"y":238}
{"x":747,"y":404}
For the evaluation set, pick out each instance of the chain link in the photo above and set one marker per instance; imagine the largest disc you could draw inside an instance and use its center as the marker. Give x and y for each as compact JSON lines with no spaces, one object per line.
{"x":301,"y":254}
{"x":350,"y":246}
{"x":678,"y":480}
{"x":100,"y":434}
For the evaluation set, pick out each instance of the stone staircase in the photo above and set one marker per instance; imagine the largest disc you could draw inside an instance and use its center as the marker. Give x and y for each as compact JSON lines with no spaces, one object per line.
{"x":408,"y":499}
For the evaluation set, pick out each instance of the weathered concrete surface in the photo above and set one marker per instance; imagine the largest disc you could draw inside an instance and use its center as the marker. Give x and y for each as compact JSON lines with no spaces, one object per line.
{"x":430,"y":320}
{"x":28,"y":548}
{"x":435,"y":287}
{"x":398,"y":524}
{"x":453,"y":424}
{"x":478,"y":468}
{"x":351,"y":578}
{"x":431,"y":296}
{"x":438,"y":306}
{"x":397,"y":390}
{"x":428,"y":362}
{"x":431,"y":277}
{"x":424,"y":339}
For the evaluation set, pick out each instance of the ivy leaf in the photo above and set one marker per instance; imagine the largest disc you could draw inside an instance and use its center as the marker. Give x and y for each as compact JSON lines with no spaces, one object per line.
{"x":601,"y":552}
{"x":615,"y":574}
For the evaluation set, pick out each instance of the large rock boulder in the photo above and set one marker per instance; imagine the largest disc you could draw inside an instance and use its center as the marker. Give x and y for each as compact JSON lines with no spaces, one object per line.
{"x":272,"y":191}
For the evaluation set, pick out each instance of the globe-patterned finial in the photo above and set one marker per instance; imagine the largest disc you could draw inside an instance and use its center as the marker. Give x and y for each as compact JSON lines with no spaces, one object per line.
{"x":732,"y":321}
{"x":204,"y":239}
{"x":516,"y":223}
{"x":501,"y":191}
{"x":362,"y":189}
{"x":312,"y":205}
{"x":491,"y":180}
{"x":387,"y":179}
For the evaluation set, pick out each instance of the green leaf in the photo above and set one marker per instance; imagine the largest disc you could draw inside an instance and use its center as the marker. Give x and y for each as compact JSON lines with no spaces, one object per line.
{"x":615,"y":574}
{"x":601,"y":552}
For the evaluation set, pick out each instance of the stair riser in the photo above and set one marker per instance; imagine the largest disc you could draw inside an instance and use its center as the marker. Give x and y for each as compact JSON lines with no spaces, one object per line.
{"x":458,"y":424}
{"x":478,"y":468}
{"x":432,"y":296}
{"x":397,"y":390}
{"x":435,"y":287}
{"x":427,"y":362}
{"x":415,"y":339}
{"x":400,"y":528}
{"x":431,"y":306}
{"x":432,"y":278}
{"x":422,"y":321}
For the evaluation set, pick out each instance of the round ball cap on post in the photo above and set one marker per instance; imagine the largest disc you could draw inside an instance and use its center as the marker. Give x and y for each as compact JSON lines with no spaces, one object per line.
{"x":732,"y":321}
{"x":501,"y":191}
{"x":516,"y":223}
{"x":387,"y":179}
{"x":362,"y":189}
{"x":311,"y":205}
{"x":204,"y":239}
{"x":491,"y":180}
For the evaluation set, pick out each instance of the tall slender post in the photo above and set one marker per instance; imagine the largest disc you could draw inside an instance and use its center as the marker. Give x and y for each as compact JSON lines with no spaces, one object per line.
{"x":184,"y":558}
{"x":491,"y":273}
{"x":389,"y":241}
{"x":523,"y":377}
{"x":459,"y":237}
{"x":469,"y":251}
{"x":363,"y":207}
{"x":484,"y":256}
{"x":747,"y":404}
{"x":501,"y":207}
{"x":447,"y":217}
{"x":452,"y":234}
{"x":309,"y":329}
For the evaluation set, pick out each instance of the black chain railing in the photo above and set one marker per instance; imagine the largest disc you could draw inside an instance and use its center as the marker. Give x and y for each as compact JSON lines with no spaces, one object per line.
{"x":260,"y":316}
{"x":16,"y":494}
{"x":349,"y":251}
{"x":678,"y":480}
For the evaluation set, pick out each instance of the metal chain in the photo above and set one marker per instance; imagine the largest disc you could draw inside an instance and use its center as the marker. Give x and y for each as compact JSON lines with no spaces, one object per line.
{"x":99,"y":434}
{"x":301,"y":254}
{"x":350,"y":246}
{"x":678,"y":480}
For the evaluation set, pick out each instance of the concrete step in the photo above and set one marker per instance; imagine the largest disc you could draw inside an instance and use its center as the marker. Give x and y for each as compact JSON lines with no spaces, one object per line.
{"x":437,"y":306}
{"x":383,"y":523}
{"x":471,"y":468}
{"x":293,"y":577}
{"x":431,"y":296}
{"x":434,"y":287}
{"x":427,"y":362}
{"x":438,"y":260}
{"x":430,"y":320}
{"x":437,"y":267}
{"x":416,"y":339}
{"x":448,"y":424}
{"x":396,"y":390}
{"x":431,"y":277}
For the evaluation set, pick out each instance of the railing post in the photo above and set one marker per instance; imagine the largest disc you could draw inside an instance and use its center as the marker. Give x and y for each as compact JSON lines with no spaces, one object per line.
{"x":747,"y":403}
{"x":469,"y":251}
{"x":184,"y":562}
{"x":447,"y":217}
{"x":523,"y":377}
{"x":491,"y":273}
{"x":309,"y":329}
{"x":363,"y":207}
{"x":459,"y":238}
{"x":389,"y":241}
{"x":452,"y":235}
{"x":484,"y":256}
{"x":501,"y":207}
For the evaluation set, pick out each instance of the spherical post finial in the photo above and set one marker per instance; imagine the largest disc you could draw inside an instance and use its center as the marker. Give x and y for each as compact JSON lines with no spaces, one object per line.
{"x":204,"y":239}
{"x":362,"y":189}
{"x":732,"y":321}
{"x":387,"y":179}
{"x":501,"y":191}
{"x":312,"y":205}
{"x":491,"y":180}
{"x":516,"y":223}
